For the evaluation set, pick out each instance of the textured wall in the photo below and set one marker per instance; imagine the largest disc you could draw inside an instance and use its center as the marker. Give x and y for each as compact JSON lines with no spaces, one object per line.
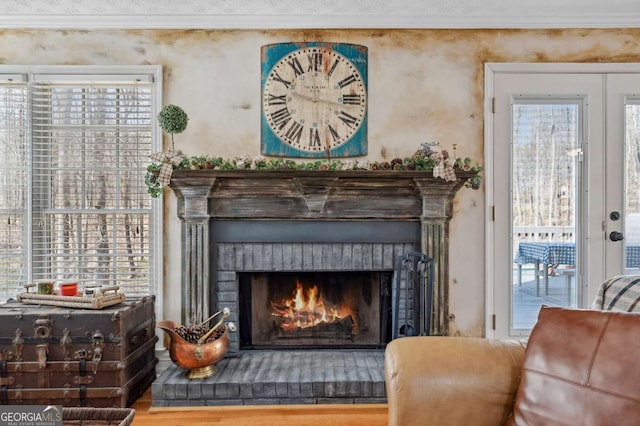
{"x":424,"y":85}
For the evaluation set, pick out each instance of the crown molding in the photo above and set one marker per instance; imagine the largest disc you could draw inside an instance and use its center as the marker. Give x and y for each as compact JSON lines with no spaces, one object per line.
{"x":217,"y":21}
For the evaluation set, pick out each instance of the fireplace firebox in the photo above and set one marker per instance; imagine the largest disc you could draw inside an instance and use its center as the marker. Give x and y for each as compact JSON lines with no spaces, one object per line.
{"x":320,"y":309}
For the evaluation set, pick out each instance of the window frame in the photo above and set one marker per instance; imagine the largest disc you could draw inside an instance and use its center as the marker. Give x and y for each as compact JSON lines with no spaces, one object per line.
{"x":152,"y":73}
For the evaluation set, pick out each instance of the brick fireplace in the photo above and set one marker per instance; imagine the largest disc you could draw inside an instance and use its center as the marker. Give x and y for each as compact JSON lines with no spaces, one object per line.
{"x":242,"y":229}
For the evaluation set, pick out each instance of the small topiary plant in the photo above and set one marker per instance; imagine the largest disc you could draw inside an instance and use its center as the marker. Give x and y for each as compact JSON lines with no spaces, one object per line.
{"x":172,"y":119}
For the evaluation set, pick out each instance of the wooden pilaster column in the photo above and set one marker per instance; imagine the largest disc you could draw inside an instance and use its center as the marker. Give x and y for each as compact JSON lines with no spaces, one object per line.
{"x":193,"y":210}
{"x":437,"y":210}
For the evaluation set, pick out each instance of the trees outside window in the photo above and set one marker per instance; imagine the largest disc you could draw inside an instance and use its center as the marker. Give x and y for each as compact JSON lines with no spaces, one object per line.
{"x":74,"y":148}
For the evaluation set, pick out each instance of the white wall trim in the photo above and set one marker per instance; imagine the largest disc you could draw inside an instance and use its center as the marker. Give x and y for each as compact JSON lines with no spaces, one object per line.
{"x":210,"y":21}
{"x":489,"y":280}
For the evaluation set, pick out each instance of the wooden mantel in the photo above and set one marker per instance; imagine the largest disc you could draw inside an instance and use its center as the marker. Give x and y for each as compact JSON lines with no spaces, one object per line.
{"x":206,"y":195}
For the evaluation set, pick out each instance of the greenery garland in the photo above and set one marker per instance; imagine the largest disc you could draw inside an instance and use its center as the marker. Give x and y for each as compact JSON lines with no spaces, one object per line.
{"x":172,"y":119}
{"x":416,"y":162}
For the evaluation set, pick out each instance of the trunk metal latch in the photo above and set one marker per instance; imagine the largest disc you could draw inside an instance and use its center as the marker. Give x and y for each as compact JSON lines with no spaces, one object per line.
{"x":42,"y":351}
{"x":65,"y":342}
{"x":98,"y":345}
{"x":42,"y":328}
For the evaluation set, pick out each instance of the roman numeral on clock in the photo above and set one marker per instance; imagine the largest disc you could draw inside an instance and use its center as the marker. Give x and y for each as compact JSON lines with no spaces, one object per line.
{"x":277,"y":99}
{"x":297,"y":68}
{"x":277,"y":77}
{"x":315,"y":62}
{"x":334,"y":134}
{"x":314,"y":137}
{"x":347,"y":119}
{"x":294,"y":132}
{"x":351,"y":99}
{"x":333,"y":67}
{"x":347,"y":81}
{"x":281,"y":117}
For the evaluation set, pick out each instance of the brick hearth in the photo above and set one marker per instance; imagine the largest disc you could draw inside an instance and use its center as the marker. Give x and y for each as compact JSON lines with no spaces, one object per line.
{"x":269,"y":377}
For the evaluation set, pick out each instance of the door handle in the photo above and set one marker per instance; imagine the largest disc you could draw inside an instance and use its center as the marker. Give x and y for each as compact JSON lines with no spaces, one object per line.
{"x":616,"y":236}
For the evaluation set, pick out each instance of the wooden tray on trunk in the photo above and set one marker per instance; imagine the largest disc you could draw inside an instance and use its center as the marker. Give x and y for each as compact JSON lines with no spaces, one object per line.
{"x":109,"y":297}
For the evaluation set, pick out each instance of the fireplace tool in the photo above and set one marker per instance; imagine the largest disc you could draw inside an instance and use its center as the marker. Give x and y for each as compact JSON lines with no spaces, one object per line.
{"x":197,"y":348}
{"x":413,"y":318}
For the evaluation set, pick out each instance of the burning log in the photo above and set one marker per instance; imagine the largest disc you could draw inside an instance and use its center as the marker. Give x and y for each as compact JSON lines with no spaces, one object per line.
{"x":306,"y":314}
{"x":343,"y":328}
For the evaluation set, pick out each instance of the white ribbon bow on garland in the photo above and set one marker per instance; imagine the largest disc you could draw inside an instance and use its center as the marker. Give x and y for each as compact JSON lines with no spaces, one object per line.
{"x":443,"y":169}
{"x":168,"y":159}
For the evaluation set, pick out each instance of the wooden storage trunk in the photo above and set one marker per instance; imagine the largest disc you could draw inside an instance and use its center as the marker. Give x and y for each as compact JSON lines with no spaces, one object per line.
{"x":77,"y":357}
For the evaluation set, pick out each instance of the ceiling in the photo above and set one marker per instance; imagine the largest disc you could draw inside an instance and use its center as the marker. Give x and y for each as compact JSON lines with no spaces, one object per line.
{"x":265,"y":14}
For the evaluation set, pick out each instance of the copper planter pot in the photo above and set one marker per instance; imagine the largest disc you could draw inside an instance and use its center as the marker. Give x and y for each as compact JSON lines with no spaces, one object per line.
{"x":198,"y":359}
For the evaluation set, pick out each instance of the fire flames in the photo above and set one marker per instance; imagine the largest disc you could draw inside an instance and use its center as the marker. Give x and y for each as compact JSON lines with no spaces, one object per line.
{"x":307,"y":308}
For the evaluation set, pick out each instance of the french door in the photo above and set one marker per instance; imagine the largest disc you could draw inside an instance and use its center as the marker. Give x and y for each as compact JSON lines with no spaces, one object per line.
{"x":562,"y":186}
{"x":623,"y":177}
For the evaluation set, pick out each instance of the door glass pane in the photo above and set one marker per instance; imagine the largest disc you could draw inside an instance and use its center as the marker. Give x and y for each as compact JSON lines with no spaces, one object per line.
{"x":544,"y":198}
{"x":632,"y":189}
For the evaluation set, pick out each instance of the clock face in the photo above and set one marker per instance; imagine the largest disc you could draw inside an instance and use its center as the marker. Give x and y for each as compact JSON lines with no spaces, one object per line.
{"x":314,"y":101}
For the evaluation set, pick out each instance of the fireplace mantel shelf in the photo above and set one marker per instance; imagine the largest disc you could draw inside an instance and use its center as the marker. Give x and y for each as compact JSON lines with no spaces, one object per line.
{"x":313,"y":194}
{"x":364,"y":178}
{"x":289,"y":174}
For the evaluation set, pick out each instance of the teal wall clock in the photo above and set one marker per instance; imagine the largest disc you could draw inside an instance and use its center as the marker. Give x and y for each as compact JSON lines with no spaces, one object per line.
{"x":314,"y":100}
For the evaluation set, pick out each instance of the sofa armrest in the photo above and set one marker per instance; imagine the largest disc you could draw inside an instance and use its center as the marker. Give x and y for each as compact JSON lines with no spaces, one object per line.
{"x":451,"y":380}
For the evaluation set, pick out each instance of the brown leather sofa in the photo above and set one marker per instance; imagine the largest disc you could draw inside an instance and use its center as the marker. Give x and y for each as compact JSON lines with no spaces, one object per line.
{"x":579,"y":368}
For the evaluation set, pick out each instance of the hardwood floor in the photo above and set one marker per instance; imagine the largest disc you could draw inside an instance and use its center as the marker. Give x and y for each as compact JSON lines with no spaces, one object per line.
{"x":305,"y":415}
{"x":281,"y":415}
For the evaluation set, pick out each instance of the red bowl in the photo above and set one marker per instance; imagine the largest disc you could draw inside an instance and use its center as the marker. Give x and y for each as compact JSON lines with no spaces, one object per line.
{"x":68,"y":289}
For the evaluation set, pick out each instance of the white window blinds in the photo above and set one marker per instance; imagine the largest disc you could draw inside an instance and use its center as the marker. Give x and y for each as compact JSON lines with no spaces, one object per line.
{"x":90,"y":217}
{"x":13,"y":176}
